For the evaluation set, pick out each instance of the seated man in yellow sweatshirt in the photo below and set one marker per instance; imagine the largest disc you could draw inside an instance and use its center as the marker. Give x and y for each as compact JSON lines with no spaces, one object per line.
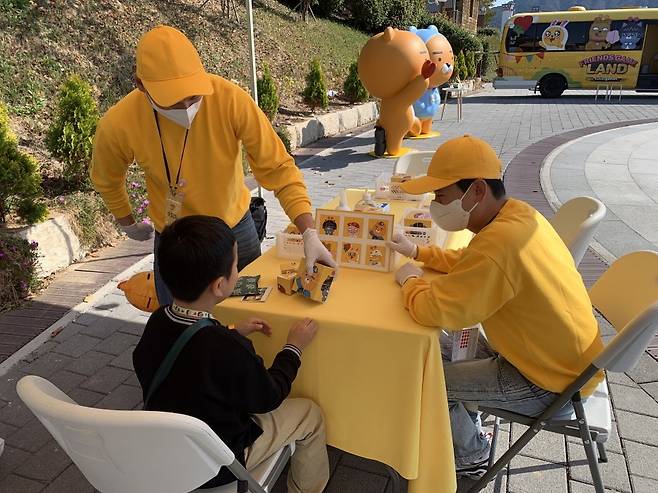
{"x":186,"y":129}
{"x":516,"y":277}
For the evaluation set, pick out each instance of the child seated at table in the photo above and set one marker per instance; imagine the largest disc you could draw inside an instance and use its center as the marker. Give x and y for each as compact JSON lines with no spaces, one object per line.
{"x":218,"y":377}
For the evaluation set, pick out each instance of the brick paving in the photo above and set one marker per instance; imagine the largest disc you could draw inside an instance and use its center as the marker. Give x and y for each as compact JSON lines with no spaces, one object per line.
{"x":90,"y":358}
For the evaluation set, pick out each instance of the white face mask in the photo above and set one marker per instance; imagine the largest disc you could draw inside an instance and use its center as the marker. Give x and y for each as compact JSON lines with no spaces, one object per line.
{"x":451,"y":217}
{"x":182,"y":117}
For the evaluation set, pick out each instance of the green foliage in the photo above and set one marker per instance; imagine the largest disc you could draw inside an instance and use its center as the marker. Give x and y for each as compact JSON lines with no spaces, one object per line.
{"x":91,"y":221}
{"x":285,"y":138}
{"x":18,"y":265}
{"x":268,"y":95}
{"x":374,"y":16}
{"x":485,"y":32}
{"x":71,"y":133}
{"x":353,"y":87}
{"x":461,"y":63}
{"x":315,"y":93}
{"x":470,"y":64}
{"x":20,"y":181}
{"x":329,"y":8}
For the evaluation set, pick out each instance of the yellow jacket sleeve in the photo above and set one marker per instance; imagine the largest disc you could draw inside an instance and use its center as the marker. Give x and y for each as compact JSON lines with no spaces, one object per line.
{"x":439,"y":259}
{"x":272,"y":166}
{"x":109,"y":165}
{"x":474,"y":289}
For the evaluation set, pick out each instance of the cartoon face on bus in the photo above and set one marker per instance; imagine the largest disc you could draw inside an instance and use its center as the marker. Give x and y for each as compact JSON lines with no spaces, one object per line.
{"x":598,"y":34}
{"x":631,"y":35}
{"x":555,"y":36}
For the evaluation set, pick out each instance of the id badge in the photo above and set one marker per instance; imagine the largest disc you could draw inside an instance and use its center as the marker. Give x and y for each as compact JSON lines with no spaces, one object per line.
{"x":173,"y":205}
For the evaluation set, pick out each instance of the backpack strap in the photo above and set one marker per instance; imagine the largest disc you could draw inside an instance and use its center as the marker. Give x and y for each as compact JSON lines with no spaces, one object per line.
{"x":170,"y":359}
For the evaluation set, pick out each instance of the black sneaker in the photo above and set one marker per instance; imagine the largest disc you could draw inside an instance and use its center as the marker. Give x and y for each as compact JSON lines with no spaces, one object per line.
{"x":473,"y":471}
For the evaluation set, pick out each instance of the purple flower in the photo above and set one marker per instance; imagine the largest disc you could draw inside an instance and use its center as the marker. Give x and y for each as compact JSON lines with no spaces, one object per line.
{"x":139,"y":210}
{"x":145,"y":203}
{"x":146,"y":220}
{"x":34,"y":245}
{"x":2,"y":254}
{"x":61,"y":200}
{"x":135,"y":184}
{"x":23,"y":285}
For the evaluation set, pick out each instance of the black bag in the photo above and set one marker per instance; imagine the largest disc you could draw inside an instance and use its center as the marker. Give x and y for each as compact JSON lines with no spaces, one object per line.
{"x":259,"y":215}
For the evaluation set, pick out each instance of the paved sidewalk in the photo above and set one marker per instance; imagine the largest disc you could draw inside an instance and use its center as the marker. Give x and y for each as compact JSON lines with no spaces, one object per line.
{"x":90,"y":359}
{"x":620,"y":168}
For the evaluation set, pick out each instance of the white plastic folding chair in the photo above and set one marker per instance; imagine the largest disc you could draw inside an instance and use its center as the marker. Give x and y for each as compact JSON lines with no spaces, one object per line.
{"x":413,"y":163}
{"x":576,"y":221}
{"x":626,"y":295}
{"x":141,"y":451}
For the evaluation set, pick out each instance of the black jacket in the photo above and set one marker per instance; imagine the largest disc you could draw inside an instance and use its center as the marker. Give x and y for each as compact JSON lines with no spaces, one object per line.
{"x":217,"y":378}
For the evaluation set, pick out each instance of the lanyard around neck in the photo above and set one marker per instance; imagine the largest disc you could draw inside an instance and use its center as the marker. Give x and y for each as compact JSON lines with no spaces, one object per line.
{"x":164,"y":154}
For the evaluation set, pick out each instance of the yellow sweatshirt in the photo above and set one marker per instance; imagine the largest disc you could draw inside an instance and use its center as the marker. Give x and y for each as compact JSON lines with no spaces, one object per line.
{"x":519,"y":280}
{"x":212,"y":162}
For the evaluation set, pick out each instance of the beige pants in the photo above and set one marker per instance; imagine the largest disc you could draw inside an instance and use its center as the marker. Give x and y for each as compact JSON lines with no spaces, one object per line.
{"x":299,"y":421}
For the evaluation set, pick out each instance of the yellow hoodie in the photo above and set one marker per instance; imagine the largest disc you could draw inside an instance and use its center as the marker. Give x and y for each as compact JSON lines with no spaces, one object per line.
{"x":519,"y":280}
{"x":212,"y":163}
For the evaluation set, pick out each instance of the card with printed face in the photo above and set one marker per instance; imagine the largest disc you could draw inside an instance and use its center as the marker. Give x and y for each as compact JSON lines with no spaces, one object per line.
{"x":378,"y":229}
{"x":351,"y":253}
{"x":353,"y":227}
{"x":328,"y":224}
{"x":261,"y":296}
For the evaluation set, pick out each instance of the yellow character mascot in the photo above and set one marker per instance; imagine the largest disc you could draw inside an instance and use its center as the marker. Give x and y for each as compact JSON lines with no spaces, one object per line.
{"x":395,"y":68}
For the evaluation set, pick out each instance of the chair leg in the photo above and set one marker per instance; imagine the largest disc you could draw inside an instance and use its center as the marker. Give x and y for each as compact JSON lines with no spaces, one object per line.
{"x":603,"y":456}
{"x":587,"y":443}
{"x":506,"y":457}
{"x":494,"y":442}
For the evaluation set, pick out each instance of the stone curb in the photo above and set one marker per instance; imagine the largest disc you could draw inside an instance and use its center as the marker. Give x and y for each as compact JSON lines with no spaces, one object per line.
{"x":330,"y":124}
{"x":74,"y":313}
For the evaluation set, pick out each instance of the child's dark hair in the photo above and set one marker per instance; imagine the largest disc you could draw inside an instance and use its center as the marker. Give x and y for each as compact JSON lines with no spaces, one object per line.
{"x":194,"y":251}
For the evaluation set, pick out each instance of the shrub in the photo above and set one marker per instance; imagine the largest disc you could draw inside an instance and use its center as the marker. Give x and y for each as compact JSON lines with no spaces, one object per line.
{"x":18,"y":265}
{"x":20,"y":181}
{"x":461,"y":63}
{"x":285,"y":138}
{"x":374,"y":16}
{"x":470,"y":64}
{"x":91,"y":221}
{"x":329,"y":8}
{"x":315,"y":93}
{"x":71,"y":134}
{"x":268,"y":96}
{"x":353,"y":87}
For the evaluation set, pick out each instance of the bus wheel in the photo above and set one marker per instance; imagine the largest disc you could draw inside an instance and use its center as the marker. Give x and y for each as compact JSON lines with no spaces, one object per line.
{"x":552,"y":86}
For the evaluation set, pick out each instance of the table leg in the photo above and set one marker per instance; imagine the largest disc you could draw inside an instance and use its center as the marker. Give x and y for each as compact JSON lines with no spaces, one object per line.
{"x":443,"y":106}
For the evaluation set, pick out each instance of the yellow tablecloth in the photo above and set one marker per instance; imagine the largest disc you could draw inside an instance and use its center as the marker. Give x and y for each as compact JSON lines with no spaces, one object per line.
{"x":376,"y":374}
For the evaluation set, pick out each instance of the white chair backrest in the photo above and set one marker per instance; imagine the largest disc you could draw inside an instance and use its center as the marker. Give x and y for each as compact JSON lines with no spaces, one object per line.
{"x":576,"y":221}
{"x":627,"y":288}
{"x":413,"y":163}
{"x":120,"y":451}
{"x":624,"y":351}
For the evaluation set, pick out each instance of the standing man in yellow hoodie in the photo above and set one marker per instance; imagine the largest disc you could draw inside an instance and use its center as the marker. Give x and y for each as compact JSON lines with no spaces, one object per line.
{"x":186,"y":128}
{"x":516,"y":277}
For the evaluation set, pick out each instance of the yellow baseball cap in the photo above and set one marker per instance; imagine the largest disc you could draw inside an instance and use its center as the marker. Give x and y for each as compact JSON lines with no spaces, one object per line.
{"x":169,"y":67}
{"x":457,"y":159}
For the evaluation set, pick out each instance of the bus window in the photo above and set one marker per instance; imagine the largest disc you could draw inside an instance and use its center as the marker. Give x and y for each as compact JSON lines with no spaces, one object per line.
{"x":519,"y":42}
{"x":630,"y":34}
{"x":578,"y":35}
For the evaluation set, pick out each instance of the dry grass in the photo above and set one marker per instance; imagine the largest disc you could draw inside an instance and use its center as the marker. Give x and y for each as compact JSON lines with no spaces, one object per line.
{"x":43,"y":43}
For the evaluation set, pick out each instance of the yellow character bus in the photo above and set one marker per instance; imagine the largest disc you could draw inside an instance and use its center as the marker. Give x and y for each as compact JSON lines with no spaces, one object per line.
{"x":580,"y":49}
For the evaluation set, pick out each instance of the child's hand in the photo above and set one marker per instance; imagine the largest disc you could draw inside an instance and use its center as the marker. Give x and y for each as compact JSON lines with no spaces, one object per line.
{"x":302,"y":333}
{"x":251,"y":325}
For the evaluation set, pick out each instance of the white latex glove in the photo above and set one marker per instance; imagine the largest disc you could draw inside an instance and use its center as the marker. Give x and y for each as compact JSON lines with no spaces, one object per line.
{"x":138,"y":231}
{"x":315,"y":251}
{"x":406,"y":272}
{"x":403,"y":245}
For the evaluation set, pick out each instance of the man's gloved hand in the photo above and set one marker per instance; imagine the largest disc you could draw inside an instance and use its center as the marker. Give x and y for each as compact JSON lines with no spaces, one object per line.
{"x":406,"y":272}
{"x":138,"y":231}
{"x":315,"y":251}
{"x":401,"y":244}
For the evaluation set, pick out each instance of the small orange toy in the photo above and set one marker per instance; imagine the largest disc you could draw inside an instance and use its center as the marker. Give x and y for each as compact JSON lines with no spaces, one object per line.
{"x":394,"y":66}
{"x":140,"y":291}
